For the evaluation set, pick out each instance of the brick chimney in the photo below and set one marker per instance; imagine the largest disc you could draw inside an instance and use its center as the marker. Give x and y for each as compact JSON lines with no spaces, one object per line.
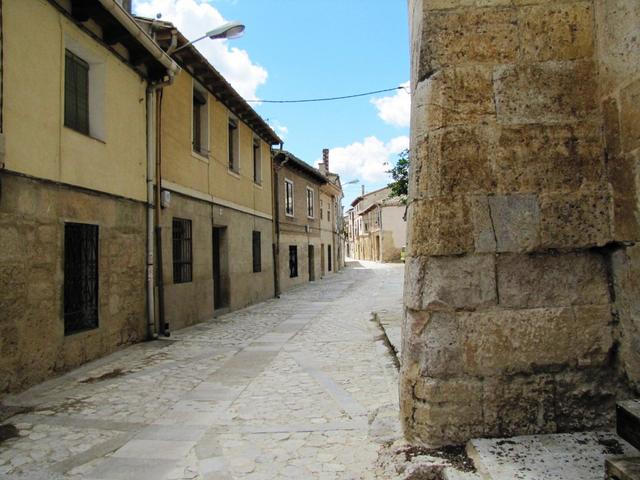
{"x":324,"y":166}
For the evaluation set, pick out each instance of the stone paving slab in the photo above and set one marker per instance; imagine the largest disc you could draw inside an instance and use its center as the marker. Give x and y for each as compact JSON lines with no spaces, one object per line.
{"x":284,"y":389}
{"x":567,"y":456}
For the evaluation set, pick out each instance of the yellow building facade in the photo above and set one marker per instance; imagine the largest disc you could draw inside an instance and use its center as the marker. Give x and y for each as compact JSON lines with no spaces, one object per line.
{"x":72,"y":182}
{"x":215,"y":170}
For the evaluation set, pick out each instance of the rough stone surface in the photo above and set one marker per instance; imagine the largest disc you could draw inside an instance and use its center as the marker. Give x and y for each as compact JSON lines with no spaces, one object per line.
{"x":32,"y":217}
{"x":520,"y":284}
{"x":578,"y":456}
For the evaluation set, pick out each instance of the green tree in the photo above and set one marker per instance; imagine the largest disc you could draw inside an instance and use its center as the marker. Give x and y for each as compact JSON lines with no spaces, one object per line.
{"x":400,"y":175}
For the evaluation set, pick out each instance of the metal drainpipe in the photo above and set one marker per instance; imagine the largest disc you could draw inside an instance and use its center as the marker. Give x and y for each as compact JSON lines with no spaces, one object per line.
{"x":152,"y":203}
{"x":163,"y":327}
{"x":276,"y":206}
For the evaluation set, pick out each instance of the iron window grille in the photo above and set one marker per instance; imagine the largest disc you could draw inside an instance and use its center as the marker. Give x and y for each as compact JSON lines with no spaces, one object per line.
{"x":80,"y":277}
{"x":182,"y":251}
{"x":293,"y":261}
{"x":257,"y":252}
{"x":76,"y":93}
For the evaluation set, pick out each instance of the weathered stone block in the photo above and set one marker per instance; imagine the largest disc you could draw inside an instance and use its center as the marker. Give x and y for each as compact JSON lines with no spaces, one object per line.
{"x":516,"y":222}
{"x":458,"y":162}
{"x":574,"y":220}
{"x":448,"y":283}
{"x":545,"y":92}
{"x":559,"y":280}
{"x":585,"y":399}
{"x":439,"y":226}
{"x":454,"y":37}
{"x":618,"y":42}
{"x":484,"y":236}
{"x":460,"y":95}
{"x":450,"y":412}
{"x":433,"y":341}
{"x":557,"y":31}
{"x":513,"y":341}
{"x":611,"y":123}
{"x":548,"y":158}
{"x":519,"y":405}
{"x":630,"y":116}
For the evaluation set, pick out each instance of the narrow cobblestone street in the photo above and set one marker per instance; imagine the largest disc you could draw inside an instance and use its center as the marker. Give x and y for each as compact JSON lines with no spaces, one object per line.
{"x":289,"y":388}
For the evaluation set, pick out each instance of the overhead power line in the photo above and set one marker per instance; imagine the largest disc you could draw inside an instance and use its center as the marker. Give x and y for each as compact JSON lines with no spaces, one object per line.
{"x":329,"y":99}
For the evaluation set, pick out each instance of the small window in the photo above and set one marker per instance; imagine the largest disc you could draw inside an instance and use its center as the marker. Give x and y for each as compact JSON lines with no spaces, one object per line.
{"x":288,"y":197}
{"x":76,"y":93}
{"x":80,"y":277}
{"x":200,"y":137}
{"x":293,"y":261}
{"x":257,"y":253}
{"x":310,"y":203}
{"x":234,"y":160}
{"x":182,"y":251}
{"x":257,"y":162}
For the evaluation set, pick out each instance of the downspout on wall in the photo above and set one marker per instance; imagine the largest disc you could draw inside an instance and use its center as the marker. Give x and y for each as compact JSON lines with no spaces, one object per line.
{"x":153,"y":203}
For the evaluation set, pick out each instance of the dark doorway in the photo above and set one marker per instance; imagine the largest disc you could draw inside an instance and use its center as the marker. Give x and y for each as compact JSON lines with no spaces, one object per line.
{"x":220,"y":273}
{"x":322,"y":260}
{"x":329,"y":264}
{"x":293,"y":261}
{"x":312,"y":261}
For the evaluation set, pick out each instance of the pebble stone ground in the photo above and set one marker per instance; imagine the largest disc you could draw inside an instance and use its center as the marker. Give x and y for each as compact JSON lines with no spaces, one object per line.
{"x":298,"y":387}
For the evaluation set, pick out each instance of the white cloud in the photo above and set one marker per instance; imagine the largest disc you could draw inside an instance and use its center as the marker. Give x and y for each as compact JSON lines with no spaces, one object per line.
{"x":367,"y":161}
{"x":395,"y":109}
{"x":195,"y":17}
{"x":279,"y":128}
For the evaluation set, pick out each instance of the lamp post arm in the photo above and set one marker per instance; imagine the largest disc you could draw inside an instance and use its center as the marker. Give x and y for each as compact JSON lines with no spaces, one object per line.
{"x":190,"y":43}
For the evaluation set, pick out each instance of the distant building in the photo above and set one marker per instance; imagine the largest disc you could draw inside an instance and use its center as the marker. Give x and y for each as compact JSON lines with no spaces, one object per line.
{"x":376,"y":227}
{"x":300,"y":253}
{"x":331,"y":218}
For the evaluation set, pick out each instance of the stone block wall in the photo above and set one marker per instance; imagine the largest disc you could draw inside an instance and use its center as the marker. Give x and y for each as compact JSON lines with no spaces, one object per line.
{"x":515,"y":224}
{"x":33,"y":346}
{"x":618,"y":52}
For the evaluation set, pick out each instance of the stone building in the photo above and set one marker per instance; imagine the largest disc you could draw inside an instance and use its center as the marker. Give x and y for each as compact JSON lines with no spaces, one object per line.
{"x":377,"y":229}
{"x":386,"y":230}
{"x":73,"y":236}
{"x":301,"y":256}
{"x":214,"y":162}
{"x":330,"y":218}
{"x":521,"y":293}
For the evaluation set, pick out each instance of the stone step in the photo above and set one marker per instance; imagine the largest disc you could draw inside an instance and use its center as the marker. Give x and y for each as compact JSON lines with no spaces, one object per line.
{"x":628,"y":421}
{"x":563,"y":456}
{"x":624,"y":468}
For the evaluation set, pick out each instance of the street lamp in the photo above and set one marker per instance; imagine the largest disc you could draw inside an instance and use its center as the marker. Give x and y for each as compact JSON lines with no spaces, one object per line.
{"x":229,"y":31}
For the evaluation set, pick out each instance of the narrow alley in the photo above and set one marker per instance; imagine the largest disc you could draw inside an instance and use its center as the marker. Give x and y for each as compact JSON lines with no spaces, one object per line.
{"x":289,"y":388}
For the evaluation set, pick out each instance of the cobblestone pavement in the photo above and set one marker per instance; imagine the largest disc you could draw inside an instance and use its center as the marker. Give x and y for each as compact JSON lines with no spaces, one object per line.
{"x":299,"y":387}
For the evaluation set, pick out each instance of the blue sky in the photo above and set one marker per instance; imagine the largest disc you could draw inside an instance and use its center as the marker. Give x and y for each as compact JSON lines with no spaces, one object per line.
{"x":307,"y":49}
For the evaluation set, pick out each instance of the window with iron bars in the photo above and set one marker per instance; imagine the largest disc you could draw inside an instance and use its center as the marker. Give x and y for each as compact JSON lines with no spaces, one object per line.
{"x":182,"y":251}
{"x":76,"y":93}
{"x":80,"y":277}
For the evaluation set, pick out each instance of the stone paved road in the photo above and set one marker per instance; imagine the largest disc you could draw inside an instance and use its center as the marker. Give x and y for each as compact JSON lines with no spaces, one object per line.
{"x":290,"y":388}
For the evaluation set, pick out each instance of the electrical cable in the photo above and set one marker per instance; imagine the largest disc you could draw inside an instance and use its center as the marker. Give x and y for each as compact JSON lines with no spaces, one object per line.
{"x":328,"y":99}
